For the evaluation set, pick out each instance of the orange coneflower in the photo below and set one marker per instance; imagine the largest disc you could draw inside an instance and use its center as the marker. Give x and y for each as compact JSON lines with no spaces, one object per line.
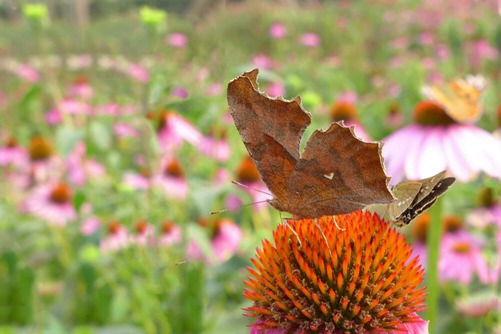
{"x":357,"y":279}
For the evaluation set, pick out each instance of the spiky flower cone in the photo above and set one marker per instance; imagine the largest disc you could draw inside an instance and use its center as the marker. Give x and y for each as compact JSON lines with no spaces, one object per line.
{"x":356,"y":279}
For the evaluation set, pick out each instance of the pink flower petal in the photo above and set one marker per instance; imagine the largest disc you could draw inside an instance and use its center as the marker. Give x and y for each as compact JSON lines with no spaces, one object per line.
{"x":413,"y":153}
{"x":432,"y":160}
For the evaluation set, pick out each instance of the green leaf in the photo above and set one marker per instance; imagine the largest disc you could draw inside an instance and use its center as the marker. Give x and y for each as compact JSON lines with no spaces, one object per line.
{"x":100,"y":135}
{"x":66,"y":138}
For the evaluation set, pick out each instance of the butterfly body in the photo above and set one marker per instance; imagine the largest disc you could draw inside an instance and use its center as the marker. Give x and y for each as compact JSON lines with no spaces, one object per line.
{"x":336,"y":173}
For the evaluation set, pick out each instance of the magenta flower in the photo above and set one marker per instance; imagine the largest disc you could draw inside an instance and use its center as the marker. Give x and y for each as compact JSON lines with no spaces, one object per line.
{"x":461,"y":257}
{"x":13,"y":154}
{"x":418,"y":327}
{"x":80,"y":168}
{"x":248,"y":175}
{"x":214,"y":89}
{"x":171,"y":235}
{"x":173,"y":130}
{"x":116,"y":239}
{"x":172,"y":181}
{"x":124,"y":130}
{"x":179,"y":92}
{"x":80,"y":89}
{"x":275,"y":89}
{"x":26,"y":72}
{"x":145,"y":234}
{"x":137,"y":72}
{"x":52,"y":203}
{"x":177,"y":40}
{"x":90,"y":225}
{"x":310,"y":40}
{"x":262,"y":61}
{"x":277,"y":30}
{"x":140,"y":181}
{"x":226,"y":238}
{"x":436,"y":143}
{"x":216,"y":147}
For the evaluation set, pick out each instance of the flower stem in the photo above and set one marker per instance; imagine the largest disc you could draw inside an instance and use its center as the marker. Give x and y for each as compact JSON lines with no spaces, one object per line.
{"x":433,"y":243}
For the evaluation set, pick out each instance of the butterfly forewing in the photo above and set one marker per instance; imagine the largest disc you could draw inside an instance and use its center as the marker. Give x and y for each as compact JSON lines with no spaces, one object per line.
{"x":337,"y":174}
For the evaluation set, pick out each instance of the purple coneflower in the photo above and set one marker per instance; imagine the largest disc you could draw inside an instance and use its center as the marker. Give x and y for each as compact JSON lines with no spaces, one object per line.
{"x":52,"y":203}
{"x":277,"y":30}
{"x":355,"y":279}
{"x":310,"y":40}
{"x":344,"y":110}
{"x":171,"y":234}
{"x":173,"y":130}
{"x":177,"y":40}
{"x":172,"y":180}
{"x":216,"y":146}
{"x":116,"y":238}
{"x":80,"y":168}
{"x":13,"y":154}
{"x":436,"y":143}
{"x":225,"y":239}
{"x":145,"y":234}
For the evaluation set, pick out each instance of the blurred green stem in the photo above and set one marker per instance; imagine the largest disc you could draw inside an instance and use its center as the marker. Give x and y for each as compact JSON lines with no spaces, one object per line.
{"x":434,"y":235}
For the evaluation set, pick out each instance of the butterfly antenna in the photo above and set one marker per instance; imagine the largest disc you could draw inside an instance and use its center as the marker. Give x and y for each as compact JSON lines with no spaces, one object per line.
{"x":247,"y":187}
{"x":238,"y":207}
{"x":323,"y":236}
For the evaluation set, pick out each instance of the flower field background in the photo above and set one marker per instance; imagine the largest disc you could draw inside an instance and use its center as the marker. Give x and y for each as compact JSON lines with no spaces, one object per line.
{"x":116,"y":145}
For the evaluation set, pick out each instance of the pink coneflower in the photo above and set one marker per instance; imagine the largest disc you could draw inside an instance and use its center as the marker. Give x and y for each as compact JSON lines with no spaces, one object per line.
{"x":116,"y":238}
{"x":43,"y":166}
{"x":344,"y":110}
{"x":80,"y":168}
{"x":262,"y":61}
{"x":171,"y":234}
{"x":478,"y":306}
{"x":124,"y":130}
{"x":13,"y":154}
{"x":395,"y":117}
{"x":137,"y":72}
{"x":172,"y":180}
{"x":144,"y":235}
{"x":277,"y":30}
{"x":248,"y":175}
{"x":177,"y":40}
{"x":461,"y":257}
{"x":310,"y":40}
{"x":214,"y":89}
{"x":488,"y":213}
{"x":173,"y":130}
{"x":275,"y":89}
{"x":80,"y":88}
{"x":436,"y":143}
{"x":140,"y":180}
{"x":216,"y":146}
{"x":26,"y":72}
{"x":90,"y":225}
{"x":52,"y":203}
{"x":225,"y":239}
{"x":179,"y":92}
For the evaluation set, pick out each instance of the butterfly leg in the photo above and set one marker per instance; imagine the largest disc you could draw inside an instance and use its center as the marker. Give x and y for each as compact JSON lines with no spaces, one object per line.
{"x":335,"y":223}
{"x":292,"y":230}
{"x":323,"y":236}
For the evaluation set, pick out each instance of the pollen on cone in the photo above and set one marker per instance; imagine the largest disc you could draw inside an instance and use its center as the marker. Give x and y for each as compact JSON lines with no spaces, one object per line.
{"x":356,"y":278}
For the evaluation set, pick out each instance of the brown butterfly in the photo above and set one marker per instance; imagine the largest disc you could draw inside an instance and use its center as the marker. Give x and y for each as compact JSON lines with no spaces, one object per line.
{"x":413,"y":198}
{"x":336,"y":173}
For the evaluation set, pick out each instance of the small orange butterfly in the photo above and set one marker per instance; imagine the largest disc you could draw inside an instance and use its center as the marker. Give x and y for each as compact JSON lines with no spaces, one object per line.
{"x":461,"y":98}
